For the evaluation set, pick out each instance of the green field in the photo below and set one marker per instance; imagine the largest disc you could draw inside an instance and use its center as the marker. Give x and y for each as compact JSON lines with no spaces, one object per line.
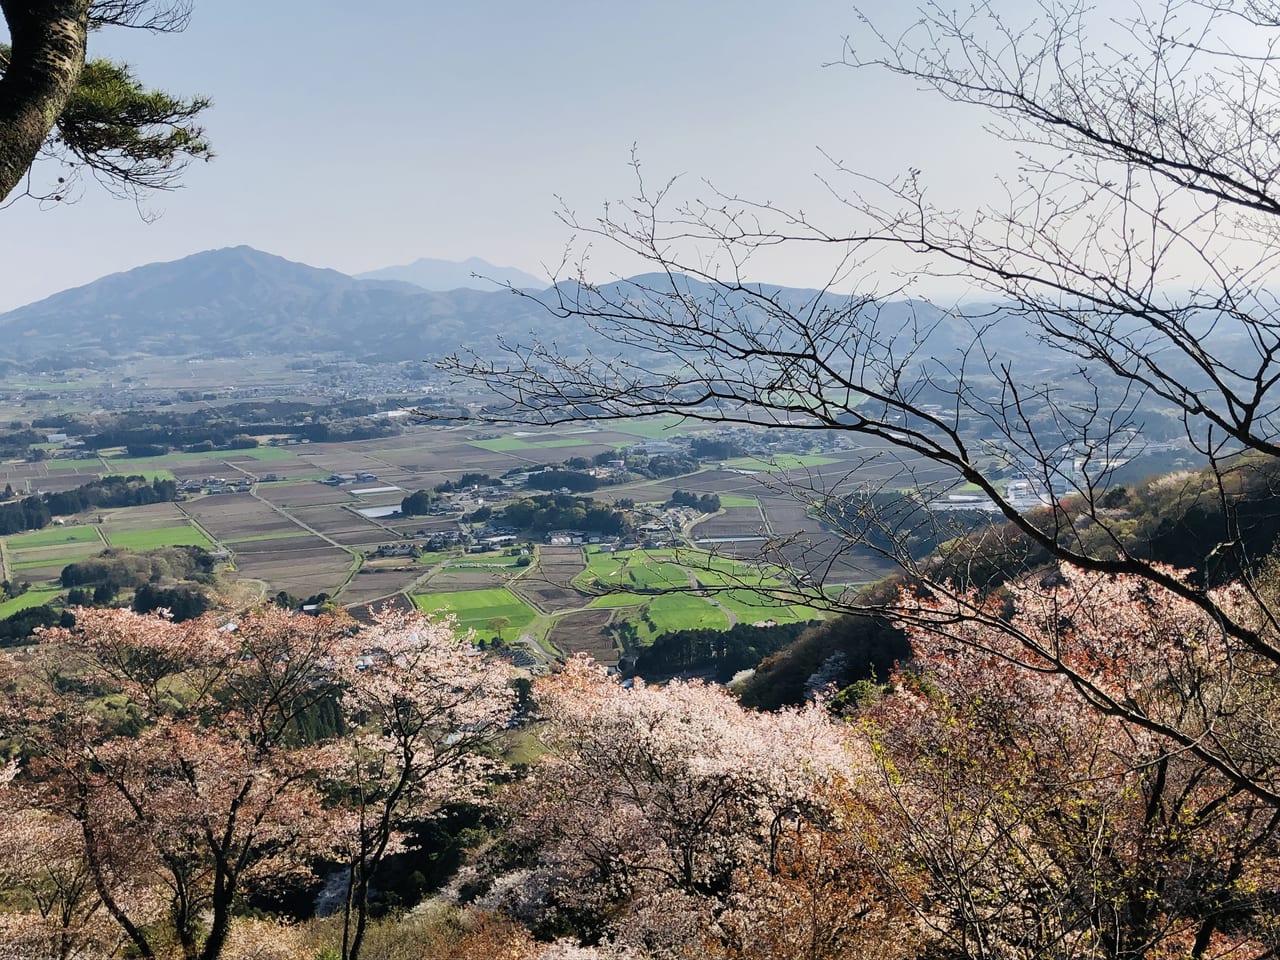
{"x":741,"y":575}
{"x":516,"y":444}
{"x":32,"y":598}
{"x":611,"y":600}
{"x":651,"y":428}
{"x":435,"y":556}
{"x":736,"y":587}
{"x":656,"y":575}
{"x":685,"y":557}
{"x":161,"y":537}
{"x":783,"y":461}
{"x":53,"y":537}
{"x":683,"y":611}
{"x":605,"y":562}
{"x":733,"y":500}
{"x":752,"y":606}
{"x":475,"y":609}
{"x":47,"y":562}
{"x":659,"y":569}
{"x":636,"y":569}
{"x":687,"y":611}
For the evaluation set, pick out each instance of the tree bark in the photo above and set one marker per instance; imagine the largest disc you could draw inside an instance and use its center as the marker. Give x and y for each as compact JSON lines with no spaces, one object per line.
{"x":94,"y":861}
{"x":48,"y":49}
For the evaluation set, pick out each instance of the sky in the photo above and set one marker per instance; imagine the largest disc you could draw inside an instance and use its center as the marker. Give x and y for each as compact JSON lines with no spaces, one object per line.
{"x":360,"y":135}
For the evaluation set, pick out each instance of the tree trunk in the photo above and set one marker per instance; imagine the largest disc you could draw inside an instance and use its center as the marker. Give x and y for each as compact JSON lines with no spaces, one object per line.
{"x":48,"y":46}
{"x":140,"y":942}
{"x":224,"y":892}
{"x":362,"y":913}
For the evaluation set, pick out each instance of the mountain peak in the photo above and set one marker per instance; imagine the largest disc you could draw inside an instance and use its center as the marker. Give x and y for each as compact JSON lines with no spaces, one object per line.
{"x":441,"y":275}
{"x":236,"y":300}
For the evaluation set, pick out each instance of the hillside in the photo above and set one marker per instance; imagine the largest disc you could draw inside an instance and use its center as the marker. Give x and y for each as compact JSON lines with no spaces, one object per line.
{"x":1175,"y":519}
{"x":239,"y":300}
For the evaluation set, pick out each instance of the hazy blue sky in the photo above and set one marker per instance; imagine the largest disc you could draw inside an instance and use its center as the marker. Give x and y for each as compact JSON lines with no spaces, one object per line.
{"x":357,"y":135}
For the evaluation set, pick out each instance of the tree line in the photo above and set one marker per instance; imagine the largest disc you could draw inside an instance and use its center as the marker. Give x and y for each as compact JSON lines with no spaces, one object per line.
{"x":36,"y":511}
{"x":721,"y":653}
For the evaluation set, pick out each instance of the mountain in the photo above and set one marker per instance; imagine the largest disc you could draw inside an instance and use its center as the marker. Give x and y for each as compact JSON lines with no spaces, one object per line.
{"x":443,"y":275}
{"x":239,"y":300}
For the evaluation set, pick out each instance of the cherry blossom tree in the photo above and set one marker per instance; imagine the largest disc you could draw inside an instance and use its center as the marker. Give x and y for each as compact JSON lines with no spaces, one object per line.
{"x":43,"y":870}
{"x":176,"y":766}
{"x":175,"y":748}
{"x":1047,"y":824}
{"x":672,"y":819}
{"x":42,"y":862}
{"x":426,"y":702}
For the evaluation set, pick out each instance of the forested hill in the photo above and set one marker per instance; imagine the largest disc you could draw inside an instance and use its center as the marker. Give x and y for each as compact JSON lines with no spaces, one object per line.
{"x":1176,"y":519}
{"x":238,"y":300}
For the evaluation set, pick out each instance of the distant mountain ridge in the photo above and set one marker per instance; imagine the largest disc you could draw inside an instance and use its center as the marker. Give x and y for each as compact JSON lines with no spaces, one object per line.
{"x":444,"y":275}
{"x":237,"y":301}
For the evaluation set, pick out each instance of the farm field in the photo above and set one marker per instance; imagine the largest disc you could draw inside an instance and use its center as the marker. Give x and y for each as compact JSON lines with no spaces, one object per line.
{"x":302,"y":566}
{"x":584,"y":633}
{"x":655,"y":428}
{"x":457,"y":579}
{"x":782,"y":461}
{"x":752,"y":606}
{"x":714,"y":592}
{"x":482,"y":561}
{"x":638,"y":570}
{"x":142,"y":518}
{"x":281,"y":535}
{"x":732,"y":522}
{"x":342,"y":525}
{"x":32,"y":598}
{"x":519,"y":444}
{"x":239,"y":516}
{"x":305,"y":537}
{"x":548,"y":586}
{"x":682,"y":611}
{"x":53,"y":537}
{"x":93,"y":466}
{"x":304,"y":493}
{"x":164,"y":474}
{"x":373,"y":584}
{"x":185,"y":535}
{"x":46,"y":563}
{"x":247,"y":458}
{"x":476,"y":609}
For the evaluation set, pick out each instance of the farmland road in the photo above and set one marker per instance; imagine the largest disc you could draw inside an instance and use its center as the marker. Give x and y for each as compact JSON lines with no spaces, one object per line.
{"x":294,"y":520}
